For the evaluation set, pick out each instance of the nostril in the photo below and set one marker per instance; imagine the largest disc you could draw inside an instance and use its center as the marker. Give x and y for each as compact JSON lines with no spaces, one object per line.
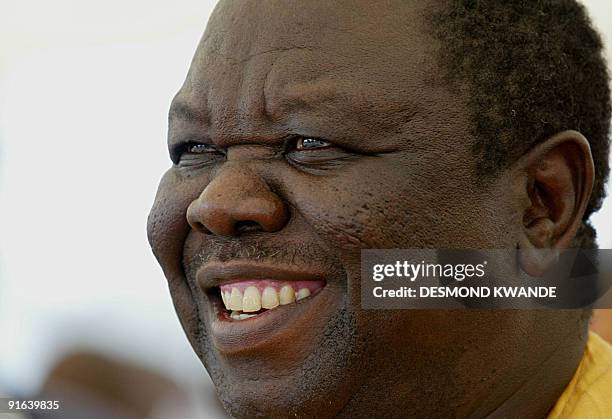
{"x":245,"y":226}
{"x":198,"y":226}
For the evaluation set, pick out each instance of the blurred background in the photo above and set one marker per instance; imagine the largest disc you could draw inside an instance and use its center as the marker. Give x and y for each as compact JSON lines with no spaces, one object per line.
{"x":84,"y":93}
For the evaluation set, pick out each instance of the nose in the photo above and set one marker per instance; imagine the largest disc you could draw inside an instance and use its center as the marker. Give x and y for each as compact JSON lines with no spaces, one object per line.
{"x":235,"y":202}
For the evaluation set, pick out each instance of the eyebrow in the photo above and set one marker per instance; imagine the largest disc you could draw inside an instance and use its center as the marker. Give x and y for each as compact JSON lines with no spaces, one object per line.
{"x":298,"y":97}
{"x":309,"y":93}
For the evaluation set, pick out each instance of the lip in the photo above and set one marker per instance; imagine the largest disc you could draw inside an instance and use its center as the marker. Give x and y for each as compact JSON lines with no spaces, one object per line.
{"x":216,"y":274}
{"x":270,"y":327}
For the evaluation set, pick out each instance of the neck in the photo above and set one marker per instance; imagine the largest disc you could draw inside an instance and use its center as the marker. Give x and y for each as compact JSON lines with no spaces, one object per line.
{"x":538,"y":394}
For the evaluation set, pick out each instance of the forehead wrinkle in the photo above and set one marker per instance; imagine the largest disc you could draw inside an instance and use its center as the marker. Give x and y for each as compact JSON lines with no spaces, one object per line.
{"x":269,"y":96}
{"x":238,"y":111}
{"x":304,"y":94}
{"x":325,"y":95}
{"x":241,"y":31}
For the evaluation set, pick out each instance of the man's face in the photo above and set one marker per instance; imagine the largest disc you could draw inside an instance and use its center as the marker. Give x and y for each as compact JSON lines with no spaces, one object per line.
{"x":305,"y":132}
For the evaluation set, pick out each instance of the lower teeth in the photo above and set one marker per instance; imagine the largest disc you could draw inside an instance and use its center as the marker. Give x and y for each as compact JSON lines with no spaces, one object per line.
{"x":237,"y":315}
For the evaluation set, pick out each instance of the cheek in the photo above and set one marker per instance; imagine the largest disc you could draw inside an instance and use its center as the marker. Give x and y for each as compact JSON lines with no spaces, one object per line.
{"x":348,"y":210}
{"x":167,"y":229}
{"x":386,"y":202}
{"x":167,"y":225}
{"x":390,"y":202}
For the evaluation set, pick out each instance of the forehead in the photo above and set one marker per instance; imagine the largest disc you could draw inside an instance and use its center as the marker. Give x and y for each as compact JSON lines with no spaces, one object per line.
{"x":265,"y":60}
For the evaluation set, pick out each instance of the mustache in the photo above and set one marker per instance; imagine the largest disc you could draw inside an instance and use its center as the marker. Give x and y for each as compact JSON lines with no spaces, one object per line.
{"x":224,"y":252}
{"x":222,"y":249}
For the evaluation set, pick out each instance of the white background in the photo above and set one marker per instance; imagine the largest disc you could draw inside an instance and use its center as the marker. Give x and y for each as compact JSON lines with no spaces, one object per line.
{"x":84,"y":93}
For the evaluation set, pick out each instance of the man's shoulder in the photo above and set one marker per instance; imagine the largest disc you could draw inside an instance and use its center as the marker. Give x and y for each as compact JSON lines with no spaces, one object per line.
{"x":589,"y":393}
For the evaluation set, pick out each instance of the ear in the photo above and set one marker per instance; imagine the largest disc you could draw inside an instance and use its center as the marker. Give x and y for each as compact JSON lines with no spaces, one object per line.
{"x":556,"y":182}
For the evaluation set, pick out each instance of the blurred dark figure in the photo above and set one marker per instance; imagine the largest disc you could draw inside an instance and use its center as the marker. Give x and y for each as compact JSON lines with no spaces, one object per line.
{"x":94,"y":386}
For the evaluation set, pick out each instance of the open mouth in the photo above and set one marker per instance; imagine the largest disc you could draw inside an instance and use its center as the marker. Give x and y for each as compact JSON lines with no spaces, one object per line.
{"x":258,"y":305}
{"x":245,"y":299}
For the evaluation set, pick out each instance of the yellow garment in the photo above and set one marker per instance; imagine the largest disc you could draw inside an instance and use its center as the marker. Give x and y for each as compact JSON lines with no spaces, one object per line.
{"x":589,"y":394}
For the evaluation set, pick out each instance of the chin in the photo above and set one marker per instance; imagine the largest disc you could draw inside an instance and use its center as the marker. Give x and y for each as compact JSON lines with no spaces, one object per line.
{"x":307,"y":371}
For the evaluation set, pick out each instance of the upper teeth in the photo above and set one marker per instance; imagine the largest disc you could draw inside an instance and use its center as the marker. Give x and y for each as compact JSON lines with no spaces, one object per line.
{"x":269,"y":298}
{"x":251,"y":299}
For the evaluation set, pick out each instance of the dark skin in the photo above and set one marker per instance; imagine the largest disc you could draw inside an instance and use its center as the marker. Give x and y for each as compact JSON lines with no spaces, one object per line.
{"x":391,"y":168}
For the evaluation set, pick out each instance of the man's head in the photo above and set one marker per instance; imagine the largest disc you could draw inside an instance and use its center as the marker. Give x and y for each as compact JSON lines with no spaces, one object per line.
{"x":309,"y":130}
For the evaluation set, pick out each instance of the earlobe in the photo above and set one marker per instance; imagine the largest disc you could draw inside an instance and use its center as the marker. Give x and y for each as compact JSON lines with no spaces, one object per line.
{"x":559,"y":178}
{"x":535,"y":261}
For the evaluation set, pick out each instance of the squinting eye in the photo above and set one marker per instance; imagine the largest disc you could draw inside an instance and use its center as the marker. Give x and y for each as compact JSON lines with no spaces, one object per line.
{"x":306,"y":143}
{"x":193,"y":154}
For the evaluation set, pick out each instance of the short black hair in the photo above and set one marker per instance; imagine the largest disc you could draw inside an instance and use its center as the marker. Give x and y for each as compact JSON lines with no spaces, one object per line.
{"x":534,"y":68}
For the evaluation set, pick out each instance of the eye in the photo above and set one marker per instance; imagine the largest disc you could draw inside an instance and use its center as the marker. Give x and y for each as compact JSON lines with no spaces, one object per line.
{"x":316,"y":155}
{"x":193,"y":154}
{"x":308,"y":143}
